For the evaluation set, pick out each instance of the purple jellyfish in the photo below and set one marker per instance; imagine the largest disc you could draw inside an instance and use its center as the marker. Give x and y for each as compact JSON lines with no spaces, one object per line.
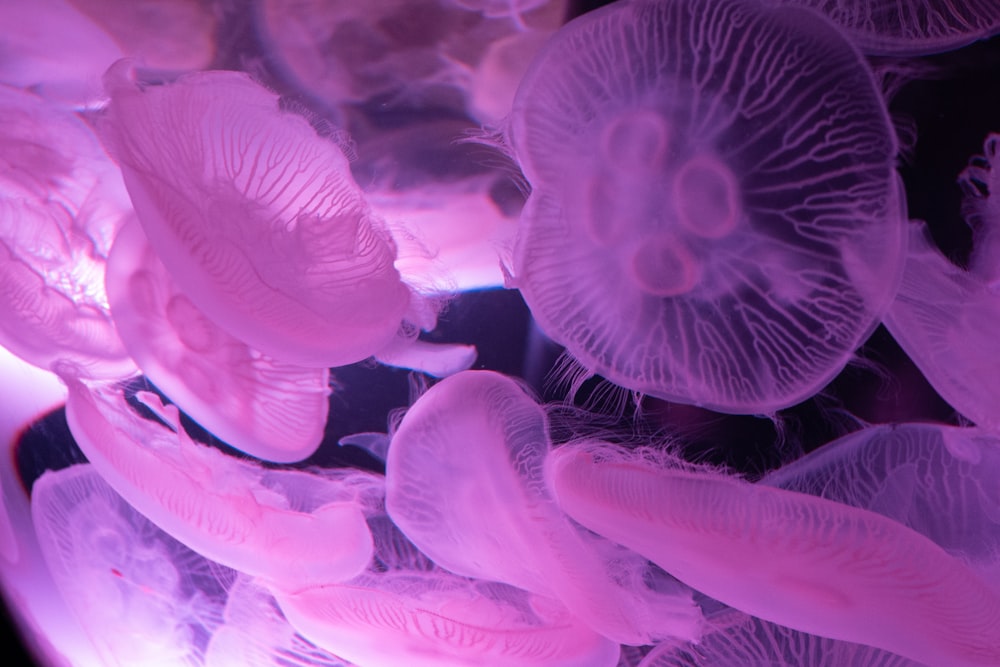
{"x":909,"y":27}
{"x":711,"y":222}
{"x":944,"y":317}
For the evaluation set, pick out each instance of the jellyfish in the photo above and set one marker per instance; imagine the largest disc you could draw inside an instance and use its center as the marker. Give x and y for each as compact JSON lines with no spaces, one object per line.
{"x":940,"y":481}
{"x":61,"y":202}
{"x":710,"y":221}
{"x":176,"y":35}
{"x":803,"y":562}
{"x":256,"y":634}
{"x":54,"y":49}
{"x":215,"y":504}
{"x":143,"y":598}
{"x":272,"y":410}
{"x":256,"y":218}
{"x":465,"y":482}
{"x":408,"y":612}
{"x":944,"y":317}
{"x":908,"y":27}
{"x":745,"y":641}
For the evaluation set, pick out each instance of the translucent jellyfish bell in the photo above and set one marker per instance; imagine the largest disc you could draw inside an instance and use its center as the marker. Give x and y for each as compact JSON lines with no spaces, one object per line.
{"x":709,"y":222}
{"x":61,"y":203}
{"x":213,"y":503}
{"x":256,"y":218}
{"x":945,"y":317}
{"x":272,"y":410}
{"x":744,"y":641}
{"x":143,"y":598}
{"x":405,"y":611}
{"x":803,"y":562}
{"x":909,"y":27}
{"x":465,"y":481}
{"x":940,"y":481}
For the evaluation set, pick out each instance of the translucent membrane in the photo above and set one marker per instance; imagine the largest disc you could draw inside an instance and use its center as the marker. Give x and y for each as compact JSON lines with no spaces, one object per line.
{"x":399,"y":54}
{"x":226,"y":509}
{"x":807,"y":563}
{"x":404,"y":611}
{"x":142,"y":597}
{"x":946,"y":320}
{"x":257,"y":219}
{"x":61,"y":202}
{"x":745,"y":641}
{"x":465,"y":482}
{"x":940,"y":481}
{"x":909,"y":27}
{"x":272,"y":410}
{"x":256,"y":634}
{"x":709,"y":223}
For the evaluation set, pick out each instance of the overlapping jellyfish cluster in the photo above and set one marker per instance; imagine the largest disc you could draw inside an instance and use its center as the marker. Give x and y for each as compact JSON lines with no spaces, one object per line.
{"x":212,"y":213}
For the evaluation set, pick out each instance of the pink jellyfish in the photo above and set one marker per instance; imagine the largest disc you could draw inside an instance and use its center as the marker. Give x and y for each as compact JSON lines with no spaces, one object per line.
{"x":465,"y":481}
{"x":710,"y":221}
{"x":61,"y":202}
{"x":406,"y":612}
{"x":944,"y":317}
{"x":142,"y":597}
{"x":909,"y":27}
{"x":272,"y":410}
{"x":803,"y":562}
{"x":254,"y":633}
{"x":217,"y":505}
{"x":256,"y":218}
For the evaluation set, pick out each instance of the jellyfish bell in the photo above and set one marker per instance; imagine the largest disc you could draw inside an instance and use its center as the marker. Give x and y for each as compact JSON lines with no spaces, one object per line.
{"x":61,"y":201}
{"x":142,"y":597}
{"x":215,"y":504}
{"x":474,"y":446}
{"x":701,"y":229}
{"x":406,"y":610}
{"x":908,"y":27}
{"x":269,"y":409}
{"x":903,"y":470}
{"x":945,"y":319}
{"x":257,"y":219}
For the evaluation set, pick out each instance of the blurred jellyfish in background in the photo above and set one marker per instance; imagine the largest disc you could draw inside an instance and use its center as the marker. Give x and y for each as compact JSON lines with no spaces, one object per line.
{"x":292,"y":218}
{"x":143,"y":597}
{"x":61,"y":204}
{"x":61,"y":48}
{"x":710,"y":222}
